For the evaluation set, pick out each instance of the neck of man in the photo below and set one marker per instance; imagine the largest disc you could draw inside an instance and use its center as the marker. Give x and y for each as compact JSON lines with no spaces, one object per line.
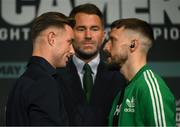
{"x":132,"y":66}
{"x":44,"y":54}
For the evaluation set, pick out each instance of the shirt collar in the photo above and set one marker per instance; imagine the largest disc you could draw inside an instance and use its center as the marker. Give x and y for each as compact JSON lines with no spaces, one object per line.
{"x":80,"y":64}
{"x":43,"y":63}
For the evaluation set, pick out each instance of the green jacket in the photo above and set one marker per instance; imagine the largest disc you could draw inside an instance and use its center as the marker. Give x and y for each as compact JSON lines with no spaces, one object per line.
{"x":147,"y":101}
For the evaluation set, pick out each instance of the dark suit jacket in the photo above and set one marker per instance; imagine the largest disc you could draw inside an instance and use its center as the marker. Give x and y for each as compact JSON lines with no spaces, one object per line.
{"x":107,"y":84}
{"x":36,"y":98}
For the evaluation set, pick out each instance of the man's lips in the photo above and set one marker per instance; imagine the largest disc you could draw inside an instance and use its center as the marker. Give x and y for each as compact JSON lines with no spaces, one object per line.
{"x":88,"y":44}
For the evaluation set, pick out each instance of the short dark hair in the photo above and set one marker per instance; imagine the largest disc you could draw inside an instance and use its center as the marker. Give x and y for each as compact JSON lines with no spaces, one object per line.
{"x":50,"y":19}
{"x":135,"y":24}
{"x":87,"y":8}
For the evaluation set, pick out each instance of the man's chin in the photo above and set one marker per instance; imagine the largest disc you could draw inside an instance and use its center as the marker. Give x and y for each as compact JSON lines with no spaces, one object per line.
{"x":113,"y":66}
{"x":86,"y":55}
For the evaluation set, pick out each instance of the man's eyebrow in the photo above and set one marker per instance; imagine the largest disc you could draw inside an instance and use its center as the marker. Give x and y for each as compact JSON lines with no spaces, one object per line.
{"x":95,"y":26}
{"x":81,"y":26}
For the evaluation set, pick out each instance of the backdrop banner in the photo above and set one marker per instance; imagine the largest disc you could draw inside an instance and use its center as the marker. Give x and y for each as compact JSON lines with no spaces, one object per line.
{"x":16,"y":17}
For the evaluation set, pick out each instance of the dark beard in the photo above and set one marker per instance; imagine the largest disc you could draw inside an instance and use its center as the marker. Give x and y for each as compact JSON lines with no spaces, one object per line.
{"x":113,"y":66}
{"x":85,"y":56}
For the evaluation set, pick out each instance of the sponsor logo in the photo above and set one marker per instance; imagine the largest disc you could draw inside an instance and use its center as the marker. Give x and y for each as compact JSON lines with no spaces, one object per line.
{"x":130,"y":104}
{"x":11,"y":69}
{"x":159,"y":13}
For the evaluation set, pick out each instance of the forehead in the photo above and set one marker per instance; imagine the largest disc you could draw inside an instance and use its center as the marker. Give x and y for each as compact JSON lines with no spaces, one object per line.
{"x":84,"y":19}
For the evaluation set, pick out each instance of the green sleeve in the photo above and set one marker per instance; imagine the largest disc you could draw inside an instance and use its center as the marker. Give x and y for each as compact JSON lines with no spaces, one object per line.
{"x":157,"y":106}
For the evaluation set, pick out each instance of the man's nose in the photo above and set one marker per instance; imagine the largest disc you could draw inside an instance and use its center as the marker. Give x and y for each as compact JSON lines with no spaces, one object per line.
{"x":88,"y":35}
{"x":71,"y":50}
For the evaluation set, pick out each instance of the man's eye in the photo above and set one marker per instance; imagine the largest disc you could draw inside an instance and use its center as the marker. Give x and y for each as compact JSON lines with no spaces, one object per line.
{"x":95,"y":29}
{"x":80,"y":29}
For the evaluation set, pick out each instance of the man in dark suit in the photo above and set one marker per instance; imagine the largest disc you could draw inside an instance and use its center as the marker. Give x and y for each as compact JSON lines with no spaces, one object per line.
{"x":36,"y":98}
{"x":84,"y":107}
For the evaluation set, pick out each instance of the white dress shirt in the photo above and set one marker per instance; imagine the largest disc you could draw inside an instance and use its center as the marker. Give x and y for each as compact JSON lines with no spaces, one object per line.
{"x":80,"y":64}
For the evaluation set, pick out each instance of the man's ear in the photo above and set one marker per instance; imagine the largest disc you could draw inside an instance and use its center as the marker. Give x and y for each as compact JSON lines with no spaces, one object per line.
{"x":133,"y":45}
{"x":51,"y":38}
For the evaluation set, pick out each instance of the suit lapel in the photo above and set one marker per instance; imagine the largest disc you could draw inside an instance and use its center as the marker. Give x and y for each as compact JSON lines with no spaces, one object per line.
{"x":101,"y":80}
{"x":75,"y":86}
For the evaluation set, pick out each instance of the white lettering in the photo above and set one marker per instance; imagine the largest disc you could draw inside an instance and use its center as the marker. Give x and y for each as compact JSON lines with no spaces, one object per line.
{"x":109,"y":7}
{"x":129,"y":8}
{"x":129,"y":110}
{"x":3,"y":34}
{"x":26,"y":33}
{"x":174,"y":33}
{"x":158,"y":9}
{"x":14,"y":34}
{"x":7,"y":70}
{"x":152,"y":11}
{"x":167,"y":33}
{"x":62,"y":6}
{"x":10,"y":15}
{"x":11,"y":70}
{"x":157,"y":32}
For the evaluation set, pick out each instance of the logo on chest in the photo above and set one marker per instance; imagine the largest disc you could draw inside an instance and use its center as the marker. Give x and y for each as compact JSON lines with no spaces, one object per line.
{"x":130,"y":105}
